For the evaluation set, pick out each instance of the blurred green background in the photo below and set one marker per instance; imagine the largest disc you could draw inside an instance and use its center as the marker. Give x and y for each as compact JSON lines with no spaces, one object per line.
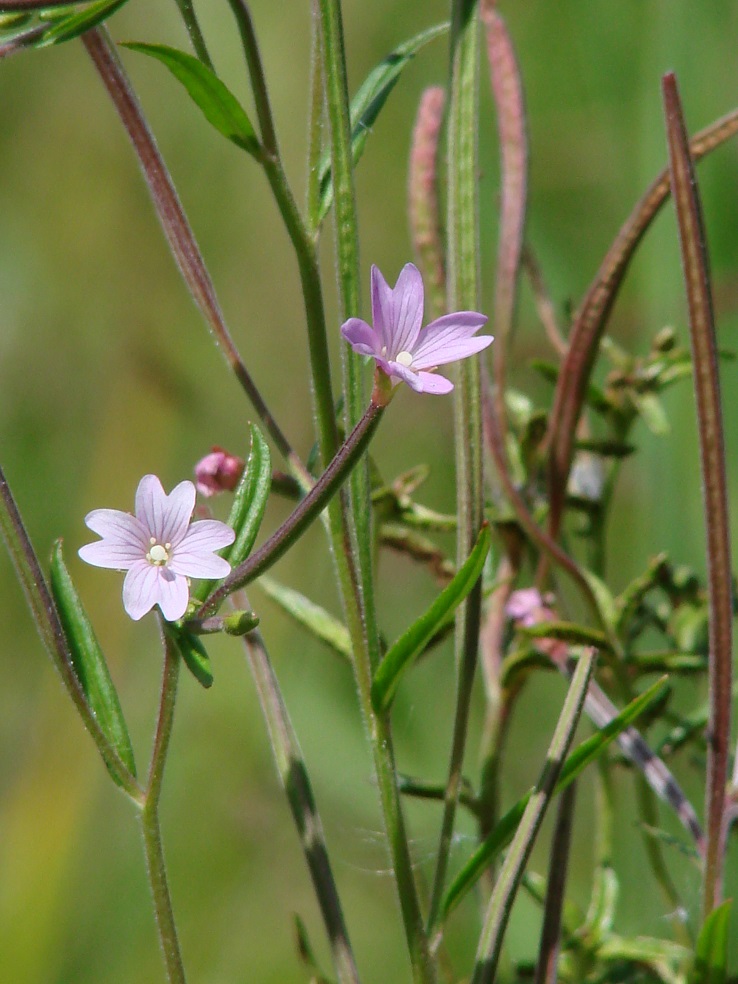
{"x":107,"y":372}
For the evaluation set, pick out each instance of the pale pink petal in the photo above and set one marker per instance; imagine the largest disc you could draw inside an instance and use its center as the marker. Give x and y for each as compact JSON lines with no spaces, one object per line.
{"x":174,"y":593}
{"x":361,"y":337}
{"x":449,"y":338}
{"x":105,"y":553}
{"x":431,"y":382}
{"x":407,"y":312}
{"x":117,"y":527}
{"x":151,"y":504}
{"x":195,"y":564}
{"x":381,"y":307}
{"x":179,"y":507}
{"x":194,"y":555}
{"x":146,"y":586}
{"x":398,"y":371}
{"x":140,"y":589}
{"x":207,"y":535}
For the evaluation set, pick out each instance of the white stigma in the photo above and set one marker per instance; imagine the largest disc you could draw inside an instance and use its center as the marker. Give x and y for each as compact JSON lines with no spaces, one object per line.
{"x":158,"y":555}
{"x":404,"y":358}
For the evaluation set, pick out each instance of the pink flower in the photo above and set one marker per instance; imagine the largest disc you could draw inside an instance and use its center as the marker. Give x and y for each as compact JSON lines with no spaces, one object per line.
{"x":158,"y":547}
{"x":527,"y":607}
{"x":401,"y":349}
{"x":217,"y":472}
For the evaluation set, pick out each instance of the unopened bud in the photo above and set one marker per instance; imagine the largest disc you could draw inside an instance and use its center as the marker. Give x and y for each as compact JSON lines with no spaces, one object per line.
{"x":217,"y":472}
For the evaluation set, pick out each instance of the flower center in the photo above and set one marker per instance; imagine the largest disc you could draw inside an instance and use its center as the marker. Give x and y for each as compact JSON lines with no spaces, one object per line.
{"x":158,"y":554}
{"x":405,"y":359}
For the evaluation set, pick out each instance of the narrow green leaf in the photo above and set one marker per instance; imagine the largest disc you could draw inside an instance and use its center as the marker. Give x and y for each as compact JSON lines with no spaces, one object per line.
{"x":367,"y":103}
{"x":569,"y":632}
{"x":89,"y":662}
{"x":217,"y":103}
{"x":315,"y":619}
{"x":250,"y":499}
{"x":711,"y":951}
{"x":249,"y":503}
{"x":78,"y":21}
{"x":411,"y":643}
{"x":586,"y":753}
{"x":193,"y":653}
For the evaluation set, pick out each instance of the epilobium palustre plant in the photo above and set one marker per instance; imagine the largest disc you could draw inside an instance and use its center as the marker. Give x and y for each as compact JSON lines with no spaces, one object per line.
{"x":627,"y":664}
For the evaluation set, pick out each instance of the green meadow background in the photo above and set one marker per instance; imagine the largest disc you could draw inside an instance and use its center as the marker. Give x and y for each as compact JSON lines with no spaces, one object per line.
{"x":107,"y":372}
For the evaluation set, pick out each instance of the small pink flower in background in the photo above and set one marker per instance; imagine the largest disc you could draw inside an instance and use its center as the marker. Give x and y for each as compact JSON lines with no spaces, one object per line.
{"x":158,"y":547}
{"x":528,"y":607}
{"x":217,"y":472}
{"x":404,"y":351}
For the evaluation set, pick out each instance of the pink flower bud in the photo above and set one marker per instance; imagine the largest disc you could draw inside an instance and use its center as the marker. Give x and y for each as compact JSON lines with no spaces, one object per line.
{"x":217,"y":472}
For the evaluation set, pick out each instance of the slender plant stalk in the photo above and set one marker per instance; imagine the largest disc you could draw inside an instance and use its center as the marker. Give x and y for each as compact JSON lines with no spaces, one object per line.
{"x":315,"y":125}
{"x":356,"y":534}
{"x":353,"y":541}
{"x":174,"y":222}
{"x":187,"y":10}
{"x":294,"y":775}
{"x":463,"y":293}
{"x":591,"y":318}
{"x":309,"y":508}
{"x":507,"y":90}
{"x":150,"y":817}
{"x":302,"y":242}
{"x":50,"y":629}
{"x":544,"y":304}
{"x":695,"y":267}
{"x":548,"y":951}
{"x":500,"y":903}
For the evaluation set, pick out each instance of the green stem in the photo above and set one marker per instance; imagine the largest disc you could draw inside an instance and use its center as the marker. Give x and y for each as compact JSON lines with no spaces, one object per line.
{"x":463,"y":295}
{"x":293,"y":773}
{"x":315,"y":126}
{"x":150,"y":817}
{"x":500,"y":903}
{"x":303,"y":243}
{"x":187,"y":10}
{"x":356,"y":533}
{"x":351,"y":534}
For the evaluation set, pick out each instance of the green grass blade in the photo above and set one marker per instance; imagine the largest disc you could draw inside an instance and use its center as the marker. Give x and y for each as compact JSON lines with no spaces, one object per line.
{"x":89,"y":662}
{"x":586,"y":753}
{"x":411,"y":643}
{"x":367,"y":103}
{"x":212,"y":96}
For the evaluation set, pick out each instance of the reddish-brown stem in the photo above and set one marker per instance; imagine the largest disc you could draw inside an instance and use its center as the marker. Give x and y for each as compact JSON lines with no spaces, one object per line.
{"x":695,"y":267}
{"x":591,"y":318}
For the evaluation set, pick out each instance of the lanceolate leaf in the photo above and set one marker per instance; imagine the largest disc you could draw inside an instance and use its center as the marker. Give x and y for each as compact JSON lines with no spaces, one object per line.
{"x":89,"y":662}
{"x":250,"y":499}
{"x":77,"y":21}
{"x":193,"y":653}
{"x":217,"y":103}
{"x":367,"y":103}
{"x":411,"y":643}
{"x":696,"y":271}
{"x":711,"y":952}
{"x":586,"y":753}
{"x":569,"y":632}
